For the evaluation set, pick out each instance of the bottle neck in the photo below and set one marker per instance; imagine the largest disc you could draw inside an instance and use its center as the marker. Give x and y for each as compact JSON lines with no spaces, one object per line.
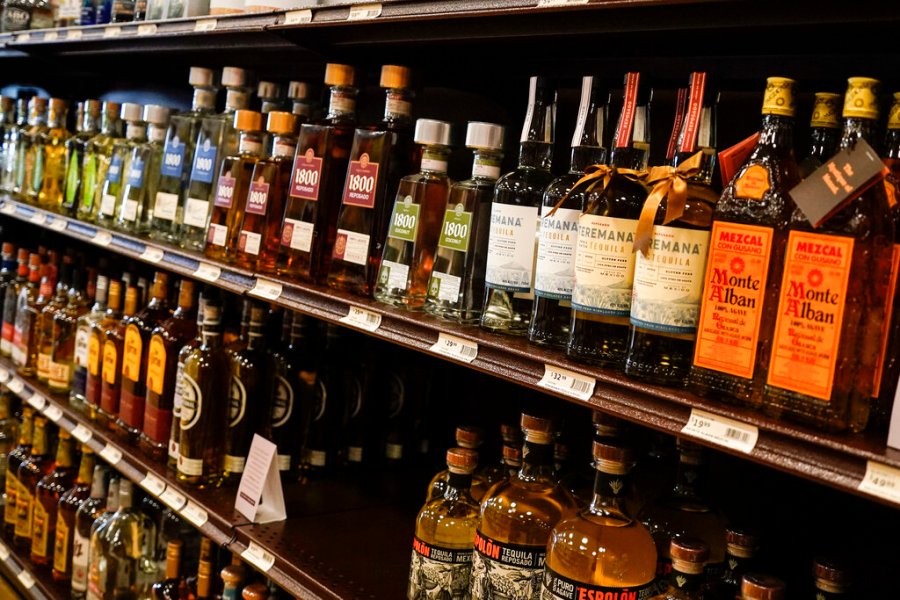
{"x":4,"y":406}
{"x":211,"y":334}
{"x":156,"y":133}
{"x":39,"y":441}
{"x":537,"y":155}
{"x":98,"y":484}
{"x":397,"y":106}
{"x":686,"y":577}
{"x":341,"y":103}
{"x":458,"y":485}
{"x":57,"y":119}
{"x":777,"y":133}
{"x":173,"y":560}
{"x":635,"y":137}
{"x":125,"y":495}
{"x":110,"y":125}
{"x":86,"y":468}
{"x":688,"y":479}
{"x":892,"y":144}
{"x":434,"y":160}
{"x":255,"y":337}
{"x":26,"y":435}
{"x":855,"y":129}
{"x":90,"y":123}
{"x":64,"y":452}
{"x":284,"y":145}
{"x":537,"y":460}
{"x":823,"y":141}
{"x":250,"y":143}
{"x":610,"y":490}
{"x":585,"y":156}
{"x":486,"y":164}
{"x":204,"y":100}
{"x":102,"y":288}
{"x":236,"y":99}
{"x":136,"y":131}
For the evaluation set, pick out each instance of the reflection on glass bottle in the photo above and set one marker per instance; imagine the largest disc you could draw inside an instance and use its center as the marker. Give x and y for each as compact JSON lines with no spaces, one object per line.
{"x":13,"y":132}
{"x":76,"y":149}
{"x":141,"y":174}
{"x":110,"y":191}
{"x":39,"y":463}
{"x":469,"y":438}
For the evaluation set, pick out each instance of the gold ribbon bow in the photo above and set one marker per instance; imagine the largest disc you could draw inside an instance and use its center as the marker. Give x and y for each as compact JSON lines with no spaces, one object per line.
{"x":597,"y":176}
{"x":670,"y":184}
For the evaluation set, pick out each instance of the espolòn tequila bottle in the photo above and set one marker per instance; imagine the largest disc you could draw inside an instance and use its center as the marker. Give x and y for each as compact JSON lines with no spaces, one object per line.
{"x":141,"y":172}
{"x":110,"y":191}
{"x":686,"y":580}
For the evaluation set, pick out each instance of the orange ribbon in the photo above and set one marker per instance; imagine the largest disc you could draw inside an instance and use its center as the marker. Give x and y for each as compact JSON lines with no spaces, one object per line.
{"x":597,"y":176}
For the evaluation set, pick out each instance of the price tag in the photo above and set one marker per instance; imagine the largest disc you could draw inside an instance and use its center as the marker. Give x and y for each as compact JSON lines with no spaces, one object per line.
{"x":16,"y":385}
{"x":194,"y":514}
{"x":51,"y":36}
{"x":152,"y":254}
{"x":103,"y":238}
{"x":455,"y":347}
{"x":82,"y":434}
{"x":264,"y":288}
{"x":53,"y":412}
{"x":153,"y":484}
{"x":298,"y":17}
{"x":111,"y":454}
{"x":25,"y":579}
{"x":881,"y":481}
{"x":567,"y":382}
{"x":23,"y":38}
{"x":208,"y":272}
{"x":173,"y":498}
{"x":37,"y":401}
{"x":205,"y":25}
{"x":258,"y":557}
{"x":8,"y":208}
{"x":721,"y":430}
{"x":4,"y":375}
{"x":4,"y":552}
{"x":146,"y":29}
{"x":38,"y":218}
{"x":545,"y":3}
{"x":362,"y":318}
{"x":111,"y":32}
{"x":75,"y":34}
{"x":363,"y":12}
{"x":58,"y":225}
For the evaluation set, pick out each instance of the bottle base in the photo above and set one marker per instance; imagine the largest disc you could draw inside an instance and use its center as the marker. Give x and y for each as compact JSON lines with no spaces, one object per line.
{"x":727,"y":388}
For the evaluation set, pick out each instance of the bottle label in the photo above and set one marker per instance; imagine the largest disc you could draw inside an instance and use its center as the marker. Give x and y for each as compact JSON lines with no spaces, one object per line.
{"x":9,"y":509}
{"x":557,"y":587}
{"x":191,"y":403}
{"x":306,"y":176}
{"x":82,"y":342}
{"x":237,"y":405}
{"x":80,"y":545}
{"x":166,"y":206}
{"x":216,"y":235}
{"x":249,"y":242}
{"x":753,"y":183}
{"x":444,"y":287}
{"x":604,"y":265}
{"x":93,"y":364}
{"x":72,"y":179}
{"x":734,"y":291}
{"x":225,"y":191}
{"x":61,"y":545}
{"x":204,"y":163}
{"x":297,"y":235}
{"x":486,"y":168}
{"x":511,"y":250}
{"x":173,"y":158}
{"x":129,"y":210}
{"x":131,"y":359}
{"x":404,"y":220}
{"x":283,"y":404}
{"x":351,"y":246}
{"x":257,"y":198}
{"x":555,"y":272}
{"x":107,"y":205}
{"x":89,"y":180}
{"x":317,"y":458}
{"x":110,"y":362}
{"x":192,"y":467}
{"x":40,"y":531}
{"x":135,"y":177}
{"x":629,"y":108}
{"x":455,"y":229}
{"x":234,"y":464}
{"x":158,"y":425}
{"x":668,"y":281}
{"x":60,"y":374}
{"x":37,"y":171}
{"x":196,"y":211}
{"x":156,"y":365}
{"x":396,"y":107}
{"x":511,"y":569}
{"x":43,"y":365}
{"x":393,"y":275}
{"x":283,"y":149}
{"x":439,"y":572}
{"x":24,"y":511}
{"x":810,"y":313}
{"x":362,"y":180}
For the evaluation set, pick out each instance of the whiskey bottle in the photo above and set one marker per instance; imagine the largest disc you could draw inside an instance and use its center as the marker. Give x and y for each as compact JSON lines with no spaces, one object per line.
{"x":11,"y":303}
{"x":686,"y":580}
{"x":509,"y":284}
{"x":516,"y":520}
{"x":76,"y":147}
{"x":469,"y":438}
{"x":604,"y":256}
{"x":110,"y":192}
{"x":91,"y":515}
{"x":14,"y":460}
{"x":299,"y":95}
{"x":601,"y":550}
{"x":232,"y":186}
{"x":824,"y":132}
{"x":671,"y":262}
{"x":456,"y":288}
{"x":81,"y":356}
{"x":44,"y":324}
{"x":141,"y":172}
{"x":12,"y":135}
{"x":174,"y":586}
{"x":555,"y":266}
{"x":754,"y":208}
{"x":64,"y":337}
{"x":9,"y":435}
{"x":32,"y":298}
{"x":113,"y":345}
{"x":260,"y":232}
{"x":25,"y":149}
{"x":30,"y":472}
{"x":740,"y":549}
{"x":95,"y":355}
{"x":182,"y":356}
{"x":445,"y":534}
{"x":832,"y":580}
{"x":69,"y":503}
{"x":97,"y":154}
{"x":46,"y":500}
{"x":177,"y":156}
{"x":8,"y":268}
{"x":323,"y":153}
{"x":49,"y":168}
{"x":415,"y":224}
{"x":761,"y":587}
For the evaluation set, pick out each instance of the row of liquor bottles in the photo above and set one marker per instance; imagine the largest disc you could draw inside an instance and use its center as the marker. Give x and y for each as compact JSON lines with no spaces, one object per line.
{"x":726,"y":294}
{"x":86,"y":527}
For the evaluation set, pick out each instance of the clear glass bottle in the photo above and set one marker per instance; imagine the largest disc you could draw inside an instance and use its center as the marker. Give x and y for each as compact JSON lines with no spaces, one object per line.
{"x":8,"y":133}
{"x":469,"y":438}
{"x":13,"y":134}
{"x":83,"y":328}
{"x":178,"y":157}
{"x":183,"y":354}
{"x":509,"y":284}
{"x":110,"y":192}
{"x":824,"y":132}
{"x":415,"y":224}
{"x":25,"y":149}
{"x":44,"y":325}
{"x":11,"y":304}
{"x":39,"y":463}
{"x":32,"y":298}
{"x":97,"y":154}
{"x":85,"y":517}
{"x":686,"y":580}
{"x":14,"y":460}
{"x":46,"y":499}
{"x":69,"y":503}
{"x":445,"y":534}
{"x":142,"y":174}
{"x":47,"y":180}
{"x":76,"y":149}
{"x":555,"y":265}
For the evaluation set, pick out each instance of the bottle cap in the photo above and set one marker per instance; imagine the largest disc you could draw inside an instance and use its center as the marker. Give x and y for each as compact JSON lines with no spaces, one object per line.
{"x":156,"y":114}
{"x":336,"y":74}
{"x":6,"y":103}
{"x":468,"y":437}
{"x":132,"y":112}
{"x":201,"y":77}
{"x":247,"y":120}
{"x":538,"y":429}
{"x":512,"y":455}
{"x":8,"y":248}
{"x":830,"y":575}
{"x":93,"y":107}
{"x":761,"y":587}
{"x":741,"y":543}
{"x":267,"y":90}
{"x":485,"y":136}
{"x":432,"y":132}
{"x":510,"y":434}
{"x":606,"y":425}
{"x":461,"y":460}
{"x":298,"y":90}
{"x":57,"y":104}
{"x":394,"y":77}
{"x":34,"y":260}
{"x":689,"y":549}
{"x":825,"y":110}
{"x":894,"y":115}
{"x":281,"y":123}
{"x":779,"y":97}
{"x":612,"y":457}
{"x":112,"y":109}
{"x":233,"y":77}
{"x":861,"y":99}
{"x":38,"y":103}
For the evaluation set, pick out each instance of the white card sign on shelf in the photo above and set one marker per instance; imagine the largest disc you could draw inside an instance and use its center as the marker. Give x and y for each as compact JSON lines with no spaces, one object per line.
{"x":82,"y":434}
{"x":25,"y":579}
{"x":173,"y":498}
{"x":152,"y":254}
{"x":38,"y":218}
{"x":208,"y":272}
{"x":23,"y":38}
{"x":362,"y":318}
{"x":37,"y":401}
{"x":112,"y":31}
{"x":205,"y":25}
{"x":111,"y":454}
{"x":266,"y":289}
{"x":455,"y":347}
{"x":194,"y":514}
{"x":54,"y":413}
{"x":567,"y":382}
{"x":259,"y":496}
{"x":16,"y":385}
{"x":58,"y":224}
{"x":146,"y":29}
{"x":258,"y":557}
{"x":153,"y":484}
{"x":298,"y":17}
{"x":721,"y":430}
{"x":882,"y":481}
{"x":51,"y":36}
{"x":364,"y":12}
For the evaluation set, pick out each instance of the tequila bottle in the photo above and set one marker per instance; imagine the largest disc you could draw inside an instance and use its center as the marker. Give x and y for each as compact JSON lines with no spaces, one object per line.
{"x":323,"y":153}
{"x":755,"y":207}
{"x":14,"y":460}
{"x":415,"y":224}
{"x":97,"y":154}
{"x":232,"y":187}
{"x":104,"y":495}
{"x":761,"y":587}
{"x":141,"y":172}
{"x":13,"y":135}
{"x":301,"y":105}
{"x":260,"y":231}
{"x":604,"y":256}
{"x":69,"y":503}
{"x":11,"y":304}
{"x":456,"y":287}
{"x":81,"y":354}
{"x":44,"y":325}
{"x":182,"y":356}
{"x":104,"y":353}
{"x":46,"y":500}
{"x":509,"y":284}
{"x":832,"y":580}
{"x":26,"y":148}
{"x":178,"y":156}
{"x":824,"y":132}
{"x":16,"y":15}
{"x":64,"y":336}
{"x":336,"y":387}
{"x":740,"y":549}
{"x":469,"y":438}
{"x":48,"y":178}
{"x":555,"y":266}
{"x":32,"y":469}
{"x":445,"y":534}
{"x":32,"y":298}
{"x":76,"y":149}
{"x":686,"y":580}
{"x":110,"y":192}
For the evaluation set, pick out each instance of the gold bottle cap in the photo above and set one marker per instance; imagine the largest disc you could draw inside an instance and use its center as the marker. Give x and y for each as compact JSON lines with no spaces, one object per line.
{"x":825,"y":110}
{"x":336,"y":74}
{"x":132,"y":111}
{"x":779,"y":97}
{"x":894,"y":115}
{"x":761,"y":587}
{"x":512,"y":455}
{"x":613,"y":458}
{"x":741,"y":543}
{"x":861,"y":99}
{"x":394,"y":77}
{"x":114,"y":295}
{"x":281,"y":123}
{"x":131,"y":300}
{"x":113,"y":109}
{"x":57,"y":104}
{"x":267,"y":90}
{"x":247,"y":120}
{"x":461,"y":460}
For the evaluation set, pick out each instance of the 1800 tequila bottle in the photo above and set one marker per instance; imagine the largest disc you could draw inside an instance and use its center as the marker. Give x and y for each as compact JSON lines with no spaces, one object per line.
{"x":141,"y":173}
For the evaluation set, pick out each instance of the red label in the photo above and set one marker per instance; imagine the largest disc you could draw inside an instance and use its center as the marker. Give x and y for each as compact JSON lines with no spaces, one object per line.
{"x":626,"y":123}
{"x":131,"y":408}
{"x":109,"y":398}
{"x":92,"y":390}
{"x":257,"y":197}
{"x":225,"y":192}
{"x":157,"y":423}
{"x":306,"y":176}
{"x":888,"y":315}
{"x":362,"y":178}
{"x":692,"y":116}
{"x":680,"y":105}
{"x":8,"y":331}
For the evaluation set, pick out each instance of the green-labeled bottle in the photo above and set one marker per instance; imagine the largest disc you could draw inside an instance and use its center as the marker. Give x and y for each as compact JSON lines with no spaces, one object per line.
{"x":25,"y":149}
{"x":142,"y":174}
{"x":110,"y":192}
{"x":97,"y":154}
{"x":76,"y":149}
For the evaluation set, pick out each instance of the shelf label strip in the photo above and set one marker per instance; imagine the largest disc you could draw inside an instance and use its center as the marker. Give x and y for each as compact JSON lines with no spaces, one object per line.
{"x":58,"y":224}
{"x":38,"y":218}
{"x":266,"y":289}
{"x":173,"y":498}
{"x":206,"y":25}
{"x":567,"y":382}
{"x":53,"y":412}
{"x":146,"y":29}
{"x":8,"y":208}
{"x":113,"y":31}
{"x":258,"y":557}
{"x":364,"y":12}
{"x":298,"y":17}
{"x":82,"y":434}
{"x":881,"y":481}
{"x":51,"y":36}
{"x":194,"y":514}
{"x":721,"y":431}
{"x":153,"y":484}
{"x":546,"y":3}
{"x":26,"y":579}
{"x":152,"y":254}
{"x":362,"y":318}
{"x":102,"y":238}
{"x":455,"y":347}
{"x":111,"y":454}
{"x":16,"y":385}
{"x":75,"y":34}
{"x":208,"y":272}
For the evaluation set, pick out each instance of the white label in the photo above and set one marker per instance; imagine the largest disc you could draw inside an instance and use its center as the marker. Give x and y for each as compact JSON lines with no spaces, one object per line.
{"x":37,"y":401}
{"x":282,"y":149}
{"x":301,"y":235}
{"x":23,"y":38}
{"x":567,"y":382}
{"x":146,"y":29}
{"x":881,"y":481}
{"x":485,"y":169}
{"x":111,"y":454}
{"x":25,"y":579}
{"x":361,"y":12}
{"x":173,"y":498}
{"x":259,"y":558}
{"x":54,"y":413}
{"x":604,"y":265}
{"x":430,"y":164}
{"x":447,"y":286}
{"x":393,"y":451}
{"x":4,"y":551}
{"x":75,"y":34}
{"x":356,"y":249}
{"x":205,"y":25}
{"x":153,"y":484}
{"x":58,"y":224}
{"x":455,"y":347}
{"x":129,"y":210}
{"x":298,"y":17}
{"x":721,"y":430}
{"x":152,"y":254}
{"x":393,"y":276}
{"x":219,"y":234}
{"x":250,"y":242}
{"x":396,"y":106}
{"x":555,"y":272}
{"x":317,"y":458}
{"x":166,"y":206}
{"x":113,"y":31}
{"x":207,"y":272}
{"x":194,"y":514}
{"x":82,"y":434}
{"x":195,"y":212}
{"x":82,"y":342}
{"x":583,"y":107}
{"x":4,"y":375}
{"x":107,"y":204}
{"x":16,"y":385}
{"x":362,"y":318}
{"x":510,"y":260}
{"x":103,"y":238}
{"x":264,"y":288}
{"x":543,"y":3}
{"x":190,"y":466}
{"x":38,"y":218}
{"x":668,"y":282}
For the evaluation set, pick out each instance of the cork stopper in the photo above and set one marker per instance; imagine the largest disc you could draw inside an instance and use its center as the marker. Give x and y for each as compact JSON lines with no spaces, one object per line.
{"x":201,"y":77}
{"x":469,"y":437}
{"x":132,"y":112}
{"x":861,"y":99}
{"x":741,"y":543}
{"x":779,"y":97}
{"x":761,"y":587}
{"x":612,"y":457}
{"x":606,"y":425}
{"x":156,"y":114}
{"x":93,"y":108}
{"x":6,"y":103}
{"x":394,"y":77}
{"x":461,"y":461}
{"x":831,"y":576}
{"x":233,"y":77}
{"x":298,"y":90}
{"x":689,"y":555}
{"x":336,"y":74}
{"x":538,"y":429}
{"x":512,"y":456}
{"x":267,"y":90}
{"x":825,"y":110}
{"x":894,"y":115}
{"x":131,"y":301}
{"x":247,"y":120}
{"x":112,"y":109}
{"x":281,"y":123}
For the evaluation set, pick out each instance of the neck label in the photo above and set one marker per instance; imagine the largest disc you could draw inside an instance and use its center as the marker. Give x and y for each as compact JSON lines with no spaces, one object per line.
{"x":629,"y":108}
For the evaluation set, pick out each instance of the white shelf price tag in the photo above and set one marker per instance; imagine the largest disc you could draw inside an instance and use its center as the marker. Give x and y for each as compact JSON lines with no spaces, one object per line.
{"x":455,"y":347}
{"x":546,"y":3}
{"x":721,"y":430}
{"x":152,"y":254}
{"x":208,"y":272}
{"x":298,"y":17}
{"x":173,"y":498}
{"x":82,"y":434}
{"x":264,"y":288}
{"x":8,"y":208}
{"x":567,"y":382}
{"x":37,"y":401}
{"x":881,"y":481}
{"x":53,"y":412}
{"x":258,"y":557}
{"x":205,"y":25}
{"x":58,"y":224}
{"x":4,"y":552}
{"x":364,"y":12}
{"x":111,"y":32}
{"x":362,"y":318}
{"x":153,"y":484}
{"x":194,"y":514}
{"x":4,"y":375}
{"x":111,"y":454}
{"x":26,"y":579}
{"x":75,"y":34}
{"x":23,"y":38}
{"x":146,"y":29}
{"x":38,"y":218}
{"x":51,"y":36}
{"x":16,"y":385}
{"x":103,"y":238}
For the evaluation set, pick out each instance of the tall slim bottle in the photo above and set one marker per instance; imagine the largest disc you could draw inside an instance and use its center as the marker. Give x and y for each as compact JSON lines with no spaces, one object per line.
{"x":81,"y":353}
{"x":555,"y":266}
{"x":13,"y":461}
{"x":33,"y":297}
{"x":44,"y":324}
{"x":509,"y":285}
{"x":97,"y":154}
{"x":64,"y":336}
{"x":183,"y":354}
{"x":7,"y":127}
{"x":26,"y":149}
{"x":10,"y":303}
{"x":112,"y":344}
{"x":746,"y":252}
{"x":8,"y":272}
{"x":69,"y":503}
{"x":46,"y":499}
{"x":142,"y":174}
{"x":32,"y":469}
{"x":824,"y":132}
{"x":76,"y":148}
{"x":110,"y":191}
{"x":13,"y":134}
{"x":48,"y":179}
{"x":85,"y":517}
{"x":415,"y":224}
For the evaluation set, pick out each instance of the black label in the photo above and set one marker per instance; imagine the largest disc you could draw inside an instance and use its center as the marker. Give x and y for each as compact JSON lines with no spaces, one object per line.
{"x":437,"y":572}
{"x":444,"y":555}
{"x":557,"y":587}
{"x":506,"y":570}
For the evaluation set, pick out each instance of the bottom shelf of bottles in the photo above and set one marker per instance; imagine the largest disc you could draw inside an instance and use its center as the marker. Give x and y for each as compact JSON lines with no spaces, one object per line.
{"x":28,"y":578}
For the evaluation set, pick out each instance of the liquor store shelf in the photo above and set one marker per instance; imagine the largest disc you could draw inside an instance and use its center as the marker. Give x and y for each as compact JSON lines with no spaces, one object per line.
{"x":840,"y":461}
{"x":28,"y":578}
{"x":307,"y":554}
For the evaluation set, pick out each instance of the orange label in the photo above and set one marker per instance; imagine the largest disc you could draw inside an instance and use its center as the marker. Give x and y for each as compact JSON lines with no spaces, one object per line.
{"x":888,"y":315}
{"x":890,"y":190}
{"x":733,"y":295}
{"x":753,"y":183}
{"x":110,"y":362}
{"x":61,"y":545}
{"x":156,"y":365}
{"x":94,"y":354}
{"x":810,"y":313}
{"x":131,"y":353}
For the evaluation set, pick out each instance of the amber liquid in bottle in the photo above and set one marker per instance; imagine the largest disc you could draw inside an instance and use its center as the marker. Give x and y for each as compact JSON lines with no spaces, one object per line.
{"x":113,"y":348}
{"x":13,"y":461}
{"x":181,"y":357}
{"x":824,"y":132}
{"x":44,"y":326}
{"x":26,"y":315}
{"x":27,"y":150}
{"x":46,"y":500}
{"x":69,"y":503}
{"x":48,"y":179}
{"x":94,"y":376}
{"x":38,"y":464}
{"x":63,"y":334}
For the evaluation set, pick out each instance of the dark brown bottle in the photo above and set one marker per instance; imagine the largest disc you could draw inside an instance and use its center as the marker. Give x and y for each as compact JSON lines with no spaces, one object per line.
{"x":38,"y":464}
{"x":69,"y":503}
{"x":94,"y":379}
{"x":824,"y":132}
{"x":46,"y":500}
{"x":113,"y":348}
